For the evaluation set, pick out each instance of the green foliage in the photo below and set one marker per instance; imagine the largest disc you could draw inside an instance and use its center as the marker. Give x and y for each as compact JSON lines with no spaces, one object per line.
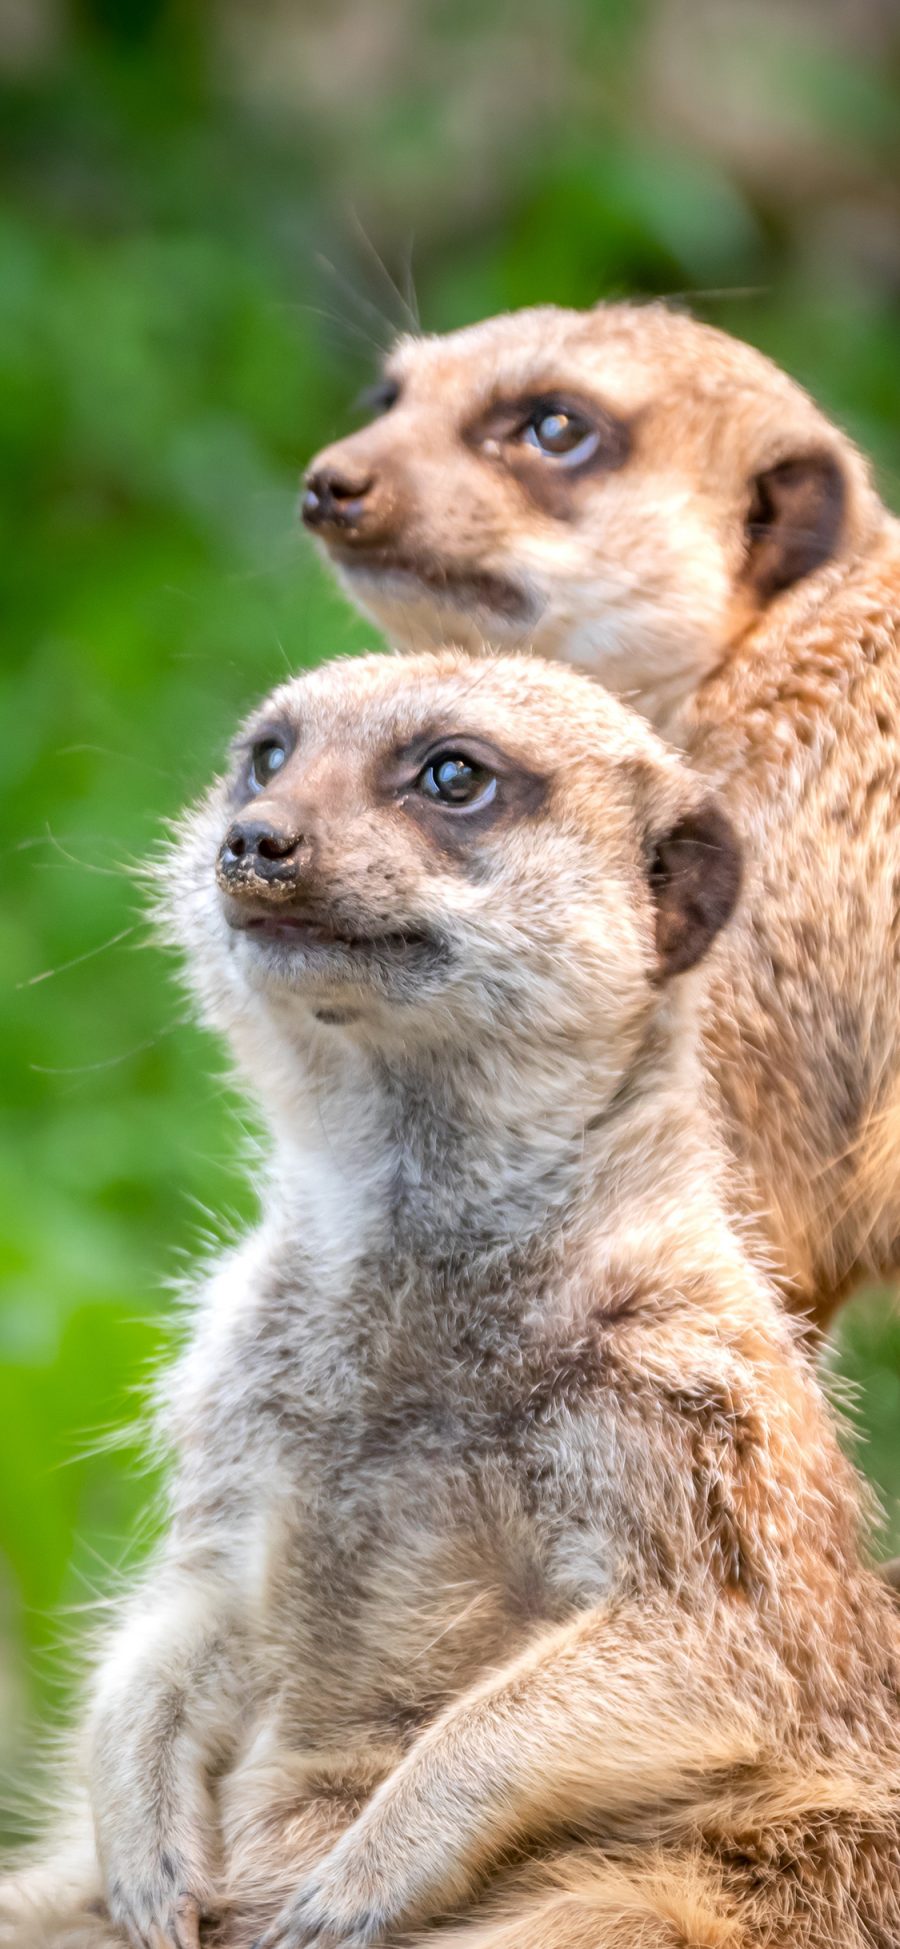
{"x":171,"y":351}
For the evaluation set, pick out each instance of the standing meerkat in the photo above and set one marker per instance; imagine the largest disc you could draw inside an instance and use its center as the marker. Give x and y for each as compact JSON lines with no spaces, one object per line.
{"x":646,"y":498}
{"x":512,"y":1588}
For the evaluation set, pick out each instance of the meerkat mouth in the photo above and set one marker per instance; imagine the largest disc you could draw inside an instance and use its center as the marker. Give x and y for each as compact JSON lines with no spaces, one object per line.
{"x":301,"y":932}
{"x":326,"y":945}
{"x":460,"y":588}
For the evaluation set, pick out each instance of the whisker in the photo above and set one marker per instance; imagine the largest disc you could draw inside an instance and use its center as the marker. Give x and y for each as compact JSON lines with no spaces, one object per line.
{"x":31,"y":981}
{"x":121,"y":757}
{"x":712,"y":295}
{"x":409,"y":284}
{"x":49,"y":838}
{"x":363,"y":304}
{"x":380,"y":265}
{"x":283,"y":654}
{"x":348,"y":325}
{"x":106,"y":1062}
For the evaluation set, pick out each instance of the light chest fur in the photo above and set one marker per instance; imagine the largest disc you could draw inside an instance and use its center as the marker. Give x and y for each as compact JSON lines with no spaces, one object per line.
{"x":413,"y":1466}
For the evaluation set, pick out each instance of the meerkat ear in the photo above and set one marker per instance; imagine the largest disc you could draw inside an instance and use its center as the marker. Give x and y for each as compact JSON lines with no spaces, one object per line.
{"x":695,"y":878}
{"x":794,"y":522}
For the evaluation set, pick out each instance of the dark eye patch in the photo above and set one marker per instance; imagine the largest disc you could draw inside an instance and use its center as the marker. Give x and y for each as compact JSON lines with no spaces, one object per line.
{"x":560,"y":435}
{"x":516,"y":792}
{"x":529,"y":437}
{"x":456,"y":781}
{"x":379,"y":397}
{"x":258,"y":755}
{"x":268,"y":757}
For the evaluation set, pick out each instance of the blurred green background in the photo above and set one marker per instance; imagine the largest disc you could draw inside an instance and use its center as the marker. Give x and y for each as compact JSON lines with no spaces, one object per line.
{"x":196,"y":201}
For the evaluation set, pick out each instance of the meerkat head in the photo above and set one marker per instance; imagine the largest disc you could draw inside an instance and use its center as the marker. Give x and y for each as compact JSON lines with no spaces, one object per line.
{"x":433,"y":850}
{"x":624,"y":489}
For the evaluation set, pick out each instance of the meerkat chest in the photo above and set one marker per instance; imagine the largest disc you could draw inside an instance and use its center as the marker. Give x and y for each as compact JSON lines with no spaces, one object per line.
{"x":419,"y":1556}
{"x":424,"y":1512}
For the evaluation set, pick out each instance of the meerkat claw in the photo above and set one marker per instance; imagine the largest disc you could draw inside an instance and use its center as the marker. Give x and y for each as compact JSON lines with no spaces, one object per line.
{"x":186,"y":1921}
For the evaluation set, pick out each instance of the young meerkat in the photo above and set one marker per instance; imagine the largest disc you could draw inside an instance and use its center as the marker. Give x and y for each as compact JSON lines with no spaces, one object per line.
{"x":512,"y":1589}
{"x":648,"y":499}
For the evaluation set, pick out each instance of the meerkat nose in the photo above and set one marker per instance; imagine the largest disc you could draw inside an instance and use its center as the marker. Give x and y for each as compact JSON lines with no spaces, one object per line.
{"x":259,"y":849}
{"x":334,"y":497}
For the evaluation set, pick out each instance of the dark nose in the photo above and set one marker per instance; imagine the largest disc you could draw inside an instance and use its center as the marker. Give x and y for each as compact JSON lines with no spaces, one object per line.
{"x":259,"y":849}
{"x":336,"y":497}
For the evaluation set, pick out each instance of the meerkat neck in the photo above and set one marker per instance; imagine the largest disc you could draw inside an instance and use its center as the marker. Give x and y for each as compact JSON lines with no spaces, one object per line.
{"x":428,"y":1150}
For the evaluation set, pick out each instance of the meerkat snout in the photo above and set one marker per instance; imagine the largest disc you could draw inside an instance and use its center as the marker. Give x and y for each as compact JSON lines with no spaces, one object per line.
{"x":338,"y":500}
{"x":261,"y":856}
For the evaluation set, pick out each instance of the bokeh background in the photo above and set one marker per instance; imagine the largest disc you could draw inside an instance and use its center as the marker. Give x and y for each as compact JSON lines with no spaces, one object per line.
{"x":214,"y":216}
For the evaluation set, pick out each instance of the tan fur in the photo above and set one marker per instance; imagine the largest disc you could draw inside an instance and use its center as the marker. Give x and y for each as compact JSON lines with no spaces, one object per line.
{"x":649,"y":573}
{"x":513,"y":1590}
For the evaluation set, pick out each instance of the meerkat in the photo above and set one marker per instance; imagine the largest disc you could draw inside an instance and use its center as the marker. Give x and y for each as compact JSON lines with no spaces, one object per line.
{"x":652,"y":501}
{"x":513,"y":1594}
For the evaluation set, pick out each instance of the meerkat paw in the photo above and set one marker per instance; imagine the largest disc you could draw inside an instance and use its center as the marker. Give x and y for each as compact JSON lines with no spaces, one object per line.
{"x":159,"y":1911}
{"x":355,"y":1898}
{"x":330,"y":1918}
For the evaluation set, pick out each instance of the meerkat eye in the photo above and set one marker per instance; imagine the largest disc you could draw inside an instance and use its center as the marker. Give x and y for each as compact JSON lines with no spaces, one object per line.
{"x":380,"y":397}
{"x":452,"y":779}
{"x":561,"y":435}
{"x":266,"y":758}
